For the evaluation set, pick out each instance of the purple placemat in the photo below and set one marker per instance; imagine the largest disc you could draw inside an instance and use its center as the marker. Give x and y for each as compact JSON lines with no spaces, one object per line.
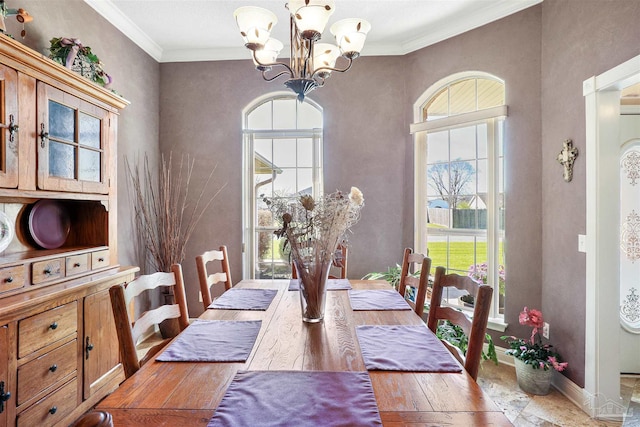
{"x":244,"y":299}
{"x":377,"y":299}
{"x":404,"y":348}
{"x":332,"y":284}
{"x":298,"y":398}
{"x":213,"y":341}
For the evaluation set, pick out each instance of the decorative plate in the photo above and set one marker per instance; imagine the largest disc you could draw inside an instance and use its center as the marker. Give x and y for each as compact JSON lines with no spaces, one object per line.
{"x":6,"y":231}
{"x":49,"y":223}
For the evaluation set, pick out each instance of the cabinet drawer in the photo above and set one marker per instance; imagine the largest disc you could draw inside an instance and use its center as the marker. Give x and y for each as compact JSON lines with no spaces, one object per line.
{"x":45,"y":328}
{"x":52,"y":408}
{"x":46,"y":370}
{"x":77,"y":264}
{"x":100,"y":259}
{"x":12,"y":278}
{"x":44,"y":271}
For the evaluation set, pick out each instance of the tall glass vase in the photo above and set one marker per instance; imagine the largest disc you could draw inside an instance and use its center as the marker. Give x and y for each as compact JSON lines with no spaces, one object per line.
{"x":313,"y":288}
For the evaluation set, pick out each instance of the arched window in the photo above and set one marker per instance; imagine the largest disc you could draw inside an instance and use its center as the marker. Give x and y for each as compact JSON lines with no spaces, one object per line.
{"x":459,"y":179}
{"x":283,"y":157}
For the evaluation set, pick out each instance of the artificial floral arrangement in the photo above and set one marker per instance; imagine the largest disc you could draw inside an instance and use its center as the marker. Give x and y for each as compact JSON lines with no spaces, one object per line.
{"x":312,"y":229}
{"x":532,"y":351}
{"x":78,"y":58}
{"x":478,"y":272}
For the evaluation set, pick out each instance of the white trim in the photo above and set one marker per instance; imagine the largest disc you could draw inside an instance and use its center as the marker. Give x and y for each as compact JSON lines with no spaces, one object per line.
{"x":602,"y":109}
{"x":126,"y":26}
{"x":458,"y":120}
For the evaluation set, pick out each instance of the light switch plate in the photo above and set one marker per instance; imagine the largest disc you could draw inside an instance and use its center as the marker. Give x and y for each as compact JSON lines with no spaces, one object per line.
{"x":582,"y":243}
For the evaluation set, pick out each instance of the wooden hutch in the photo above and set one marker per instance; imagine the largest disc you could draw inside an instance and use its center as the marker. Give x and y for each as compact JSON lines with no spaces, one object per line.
{"x":58,"y":345}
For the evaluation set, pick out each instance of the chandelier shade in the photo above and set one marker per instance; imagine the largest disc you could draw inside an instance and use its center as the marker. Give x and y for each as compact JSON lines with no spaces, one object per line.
{"x":255,"y":24}
{"x":310,"y":62}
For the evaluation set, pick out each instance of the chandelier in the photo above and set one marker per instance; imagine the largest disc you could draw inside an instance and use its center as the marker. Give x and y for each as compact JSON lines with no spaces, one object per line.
{"x":310,"y":63}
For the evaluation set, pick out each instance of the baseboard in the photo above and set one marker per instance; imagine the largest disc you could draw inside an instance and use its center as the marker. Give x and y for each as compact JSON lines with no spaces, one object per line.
{"x":591,"y":405}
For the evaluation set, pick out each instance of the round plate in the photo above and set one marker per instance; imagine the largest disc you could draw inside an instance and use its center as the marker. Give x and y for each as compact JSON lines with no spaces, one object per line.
{"x":6,"y":231}
{"x":49,"y":224}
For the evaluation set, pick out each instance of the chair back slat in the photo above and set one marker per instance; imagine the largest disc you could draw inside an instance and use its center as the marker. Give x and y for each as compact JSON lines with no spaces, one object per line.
{"x":130,"y":329}
{"x":207,"y":279}
{"x":475,"y":329}
{"x":420,"y":285}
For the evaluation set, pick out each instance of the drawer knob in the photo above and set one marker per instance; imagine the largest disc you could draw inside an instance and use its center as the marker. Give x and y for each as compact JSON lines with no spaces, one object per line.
{"x":100,"y":259}
{"x":76,"y":265}
{"x":53,"y":368}
{"x":53,"y":410}
{"x":47,"y":271}
{"x":54,"y":325}
{"x":88,"y":347}
{"x":8,"y":279}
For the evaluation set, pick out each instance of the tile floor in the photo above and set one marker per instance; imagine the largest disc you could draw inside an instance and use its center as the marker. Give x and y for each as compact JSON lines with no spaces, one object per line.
{"x":526,"y":410}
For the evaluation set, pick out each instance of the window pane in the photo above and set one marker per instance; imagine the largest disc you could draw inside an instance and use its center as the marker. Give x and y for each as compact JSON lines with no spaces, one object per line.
{"x":61,"y":122}
{"x":463,"y":143}
{"x":309,"y":117}
{"x":438,"y":250}
{"x":62,"y":159}
{"x":89,"y":130}
{"x":438,"y":181}
{"x":305,"y":152}
{"x":438,"y":147}
{"x":482,"y":176}
{"x":285,"y":183}
{"x":305,"y":181}
{"x":490,"y":93}
{"x":462,"y":178}
{"x":461,"y":253}
{"x":481,"y":135}
{"x":284,"y":113}
{"x":438,"y":107}
{"x":284,"y":152}
{"x":260,"y":118}
{"x":462,"y":96}
{"x":89,"y":165}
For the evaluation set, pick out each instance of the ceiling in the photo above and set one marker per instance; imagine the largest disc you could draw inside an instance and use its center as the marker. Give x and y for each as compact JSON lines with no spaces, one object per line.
{"x":204,"y":30}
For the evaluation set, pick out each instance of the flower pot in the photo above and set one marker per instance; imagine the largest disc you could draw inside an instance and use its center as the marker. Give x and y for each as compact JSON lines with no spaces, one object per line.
{"x":534,"y":381}
{"x":313,"y":288}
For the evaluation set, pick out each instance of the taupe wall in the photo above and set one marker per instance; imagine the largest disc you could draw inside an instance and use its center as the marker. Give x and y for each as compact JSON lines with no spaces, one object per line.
{"x":580,"y":39}
{"x":136,"y":77}
{"x":364,"y":146}
{"x":543,"y":54}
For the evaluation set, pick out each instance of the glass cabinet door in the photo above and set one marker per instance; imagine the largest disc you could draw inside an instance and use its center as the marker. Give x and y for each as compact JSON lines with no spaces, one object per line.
{"x":72,"y":149}
{"x":8,"y":127}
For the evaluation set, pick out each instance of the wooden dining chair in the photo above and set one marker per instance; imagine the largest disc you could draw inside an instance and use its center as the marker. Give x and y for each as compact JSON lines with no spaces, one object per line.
{"x":209,"y":279}
{"x":420,"y":284}
{"x":474,"y":329}
{"x":131,"y":328}
{"x":339,"y":262}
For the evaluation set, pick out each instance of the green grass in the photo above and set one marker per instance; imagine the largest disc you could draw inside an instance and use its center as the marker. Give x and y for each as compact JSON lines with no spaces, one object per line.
{"x":460,"y":254}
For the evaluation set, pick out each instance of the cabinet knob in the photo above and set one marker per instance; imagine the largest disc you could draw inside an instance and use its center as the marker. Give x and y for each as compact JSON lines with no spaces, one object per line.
{"x":47,"y":271}
{"x":53,"y":410}
{"x":53,"y":326}
{"x":88,"y":347}
{"x":3,"y":396}
{"x":76,"y":265}
{"x":12,"y":127}
{"x":101,"y":259}
{"x":43,"y":135}
{"x":53,"y":368}
{"x":8,"y":279}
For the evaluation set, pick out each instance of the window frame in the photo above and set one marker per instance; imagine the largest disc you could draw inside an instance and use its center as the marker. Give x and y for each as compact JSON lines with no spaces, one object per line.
{"x":249,"y":136}
{"x":493,"y":117}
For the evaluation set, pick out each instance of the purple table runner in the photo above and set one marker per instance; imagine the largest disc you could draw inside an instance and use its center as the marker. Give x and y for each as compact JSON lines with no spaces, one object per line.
{"x":332,"y":284}
{"x":404,"y":348}
{"x":377,"y":299}
{"x":244,"y":299}
{"x":213,"y":341}
{"x":298,"y":398}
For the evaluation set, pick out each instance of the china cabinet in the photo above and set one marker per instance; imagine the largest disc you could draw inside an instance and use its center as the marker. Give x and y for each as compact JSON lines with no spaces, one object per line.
{"x":58,"y":344}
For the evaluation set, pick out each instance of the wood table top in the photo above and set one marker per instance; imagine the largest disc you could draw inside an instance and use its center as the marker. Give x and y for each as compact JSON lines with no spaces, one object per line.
{"x":187,"y":393}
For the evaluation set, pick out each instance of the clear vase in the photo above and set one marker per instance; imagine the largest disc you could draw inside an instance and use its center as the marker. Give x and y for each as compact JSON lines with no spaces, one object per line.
{"x":534,"y":381}
{"x":313,"y":288}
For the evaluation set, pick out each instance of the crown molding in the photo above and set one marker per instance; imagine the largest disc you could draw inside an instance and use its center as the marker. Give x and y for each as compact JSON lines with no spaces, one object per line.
{"x":126,"y":26}
{"x":488,"y":14}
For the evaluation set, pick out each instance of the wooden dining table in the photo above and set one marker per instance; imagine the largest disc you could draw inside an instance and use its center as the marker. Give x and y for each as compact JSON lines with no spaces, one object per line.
{"x":188,"y":393}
